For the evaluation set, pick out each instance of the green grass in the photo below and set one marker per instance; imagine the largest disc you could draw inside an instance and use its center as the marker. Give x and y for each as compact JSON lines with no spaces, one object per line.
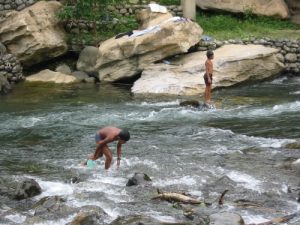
{"x":228,"y":26}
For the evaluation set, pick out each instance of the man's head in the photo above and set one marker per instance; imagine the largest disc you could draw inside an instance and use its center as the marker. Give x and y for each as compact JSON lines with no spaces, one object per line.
{"x":124,"y":135}
{"x":210,"y":54}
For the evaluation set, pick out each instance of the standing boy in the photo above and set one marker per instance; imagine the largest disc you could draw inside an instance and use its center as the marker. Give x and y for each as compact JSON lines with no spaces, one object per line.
{"x":208,"y":76}
{"x":107,"y":135}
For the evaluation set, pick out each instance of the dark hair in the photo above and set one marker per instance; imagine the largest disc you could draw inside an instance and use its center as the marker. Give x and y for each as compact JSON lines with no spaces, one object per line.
{"x":209,"y":53}
{"x":124,"y":135}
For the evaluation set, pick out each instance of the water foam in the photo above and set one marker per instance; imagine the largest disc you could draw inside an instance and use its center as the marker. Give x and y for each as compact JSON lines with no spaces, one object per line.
{"x":186,"y":180}
{"x":269,"y":111}
{"x":16,"y":218}
{"x":160,"y":104}
{"x":245,"y":180}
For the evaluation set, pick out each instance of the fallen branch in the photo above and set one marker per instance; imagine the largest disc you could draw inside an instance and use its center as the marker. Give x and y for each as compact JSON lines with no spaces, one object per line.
{"x":176,"y":197}
{"x":221,"y":199}
{"x":279,"y":219}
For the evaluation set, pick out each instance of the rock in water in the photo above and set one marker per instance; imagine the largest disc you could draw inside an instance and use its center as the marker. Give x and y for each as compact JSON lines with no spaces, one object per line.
{"x":27,"y":189}
{"x":192,"y":103}
{"x":197,"y":105}
{"x":137,"y":179}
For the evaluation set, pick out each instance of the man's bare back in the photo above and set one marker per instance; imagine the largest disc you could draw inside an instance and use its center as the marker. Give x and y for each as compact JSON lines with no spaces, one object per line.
{"x":103,"y":137}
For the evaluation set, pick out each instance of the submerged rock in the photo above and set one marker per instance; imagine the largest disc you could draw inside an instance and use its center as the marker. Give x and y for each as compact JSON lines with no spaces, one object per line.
{"x":296,"y":165}
{"x":89,"y":215}
{"x":294,"y":145}
{"x":226,"y":218}
{"x":138,"y":178}
{"x":27,"y":189}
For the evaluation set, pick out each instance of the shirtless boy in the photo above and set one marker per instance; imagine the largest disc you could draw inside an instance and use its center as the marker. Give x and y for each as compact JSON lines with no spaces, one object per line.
{"x":208,"y":76}
{"x":107,"y":135}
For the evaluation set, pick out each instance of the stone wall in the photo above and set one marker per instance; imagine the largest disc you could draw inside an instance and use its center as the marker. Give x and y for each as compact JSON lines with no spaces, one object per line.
{"x":131,"y":9}
{"x":15,"y":4}
{"x":11,"y":70}
{"x":289,"y":49}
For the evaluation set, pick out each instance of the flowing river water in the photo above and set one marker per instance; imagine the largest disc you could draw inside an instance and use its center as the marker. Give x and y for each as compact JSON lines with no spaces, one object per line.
{"x":46,"y":131}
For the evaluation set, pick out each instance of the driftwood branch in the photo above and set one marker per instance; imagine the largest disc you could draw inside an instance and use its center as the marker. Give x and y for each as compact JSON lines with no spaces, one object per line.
{"x":221,"y":199}
{"x":176,"y":197}
{"x":283,"y":219}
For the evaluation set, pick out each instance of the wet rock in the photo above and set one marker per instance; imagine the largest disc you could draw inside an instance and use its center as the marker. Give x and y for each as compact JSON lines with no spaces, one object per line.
{"x":52,"y":207}
{"x":222,"y":184}
{"x":192,"y":103}
{"x":89,"y":215}
{"x":294,"y":145}
{"x":138,"y":179}
{"x":81,"y":76}
{"x":296,"y":165}
{"x":27,"y":189}
{"x":145,"y":220}
{"x":226,"y":218}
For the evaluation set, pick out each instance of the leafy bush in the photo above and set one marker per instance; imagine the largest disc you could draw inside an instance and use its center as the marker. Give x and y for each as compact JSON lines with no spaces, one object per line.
{"x":227,"y":26}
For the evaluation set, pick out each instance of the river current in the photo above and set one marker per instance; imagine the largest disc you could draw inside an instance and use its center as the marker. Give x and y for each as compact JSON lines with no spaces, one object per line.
{"x":46,"y":131}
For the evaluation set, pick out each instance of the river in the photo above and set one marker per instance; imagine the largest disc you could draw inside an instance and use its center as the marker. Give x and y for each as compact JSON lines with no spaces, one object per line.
{"x":46,"y":131}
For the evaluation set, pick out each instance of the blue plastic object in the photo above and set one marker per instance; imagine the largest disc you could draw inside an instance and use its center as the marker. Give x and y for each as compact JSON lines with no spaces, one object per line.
{"x":90,"y":164}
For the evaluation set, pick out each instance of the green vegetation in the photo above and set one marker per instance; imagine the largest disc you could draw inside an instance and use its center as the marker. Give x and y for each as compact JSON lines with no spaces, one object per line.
{"x":169,"y":2}
{"x":230,"y":26}
{"x":95,"y":11}
{"x":221,"y":26}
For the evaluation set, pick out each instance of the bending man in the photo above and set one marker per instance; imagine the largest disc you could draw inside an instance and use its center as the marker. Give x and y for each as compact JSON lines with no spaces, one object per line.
{"x":107,"y":135}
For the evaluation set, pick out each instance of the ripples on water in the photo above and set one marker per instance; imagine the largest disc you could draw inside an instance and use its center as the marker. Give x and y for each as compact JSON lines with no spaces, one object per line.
{"x":47,"y":131}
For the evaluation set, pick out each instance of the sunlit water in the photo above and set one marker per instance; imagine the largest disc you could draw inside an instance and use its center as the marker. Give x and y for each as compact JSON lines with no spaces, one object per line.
{"x":47,"y":131}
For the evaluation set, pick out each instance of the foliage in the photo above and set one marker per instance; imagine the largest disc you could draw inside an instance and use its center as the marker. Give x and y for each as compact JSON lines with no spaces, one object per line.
{"x":232,"y":26}
{"x":169,"y":2}
{"x":86,"y":9}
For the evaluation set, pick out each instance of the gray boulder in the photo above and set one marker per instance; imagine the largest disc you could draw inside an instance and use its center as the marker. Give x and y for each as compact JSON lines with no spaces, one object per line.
{"x":27,"y":189}
{"x":138,"y":179}
{"x":65,"y":69}
{"x":87,"y":59}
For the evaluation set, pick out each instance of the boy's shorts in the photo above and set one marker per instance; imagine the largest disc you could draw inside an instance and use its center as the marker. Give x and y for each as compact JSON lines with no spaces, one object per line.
{"x":206,"y":79}
{"x":98,"y":137}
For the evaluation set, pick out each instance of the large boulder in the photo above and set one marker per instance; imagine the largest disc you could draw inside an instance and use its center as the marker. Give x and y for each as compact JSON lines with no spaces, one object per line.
{"x":51,"y":76}
{"x":277,"y":8}
{"x":129,"y":55}
{"x":34,"y":35}
{"x":294,"y":7}
{"x":233,"y":64}
{"x":87,"y":59}
{"x":147,"y":18}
